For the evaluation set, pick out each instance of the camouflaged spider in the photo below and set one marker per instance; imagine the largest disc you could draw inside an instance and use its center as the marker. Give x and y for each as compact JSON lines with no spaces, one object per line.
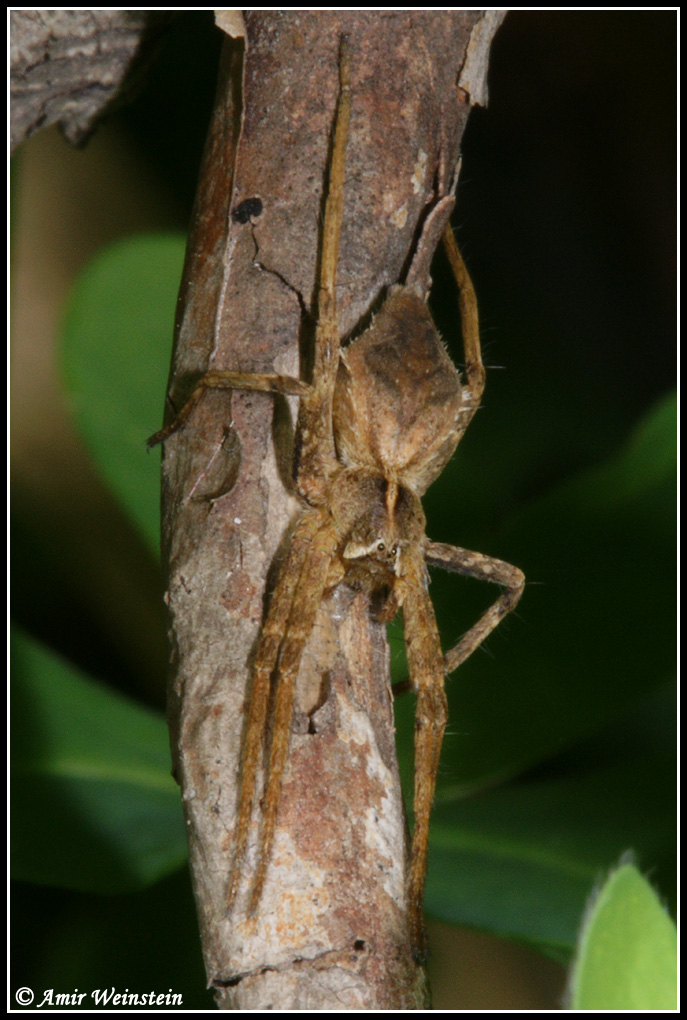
{"x":377,"y":425}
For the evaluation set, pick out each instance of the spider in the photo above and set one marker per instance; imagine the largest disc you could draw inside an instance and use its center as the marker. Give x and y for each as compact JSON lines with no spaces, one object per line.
{"x":376,"y":426}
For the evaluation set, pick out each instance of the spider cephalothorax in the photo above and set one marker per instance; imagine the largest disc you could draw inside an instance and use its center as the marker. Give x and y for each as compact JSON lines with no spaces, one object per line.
{"x":378,"y":517}
{"x":377,"y":424}
{"x":380,"y":521}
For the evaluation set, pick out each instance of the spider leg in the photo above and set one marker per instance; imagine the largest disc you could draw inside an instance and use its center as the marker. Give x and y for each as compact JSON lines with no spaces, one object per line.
{"x":426,"y":666}
{"x":484,"y":568}
{"x":280,"y":609}
{"x":303,"y":577}
{"x":317,"y":452}
{"x":469,"y":318}
{"x":220,"y":380}
{"x":304,"y":604}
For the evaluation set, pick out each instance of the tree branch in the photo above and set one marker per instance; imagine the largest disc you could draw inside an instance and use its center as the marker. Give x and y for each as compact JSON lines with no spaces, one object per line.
{"x":331,"y":932}
{"x":68,"y":67}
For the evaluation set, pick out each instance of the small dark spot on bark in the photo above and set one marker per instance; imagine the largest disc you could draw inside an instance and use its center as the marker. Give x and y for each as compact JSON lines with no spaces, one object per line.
{"x":250,"y":209}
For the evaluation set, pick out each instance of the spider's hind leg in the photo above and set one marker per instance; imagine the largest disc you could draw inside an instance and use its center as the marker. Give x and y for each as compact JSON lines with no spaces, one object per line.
{"x":317,"y":452}
{"x":469,"y":318}
{"x":220,"y":380}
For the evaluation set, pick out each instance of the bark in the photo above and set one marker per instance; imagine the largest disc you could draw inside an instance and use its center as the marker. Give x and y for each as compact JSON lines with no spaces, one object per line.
{"x":331,"y":930}
{"x":68,"y":67}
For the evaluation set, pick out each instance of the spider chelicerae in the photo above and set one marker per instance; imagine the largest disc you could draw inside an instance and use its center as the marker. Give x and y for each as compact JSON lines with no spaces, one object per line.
{"x":376,"y":426}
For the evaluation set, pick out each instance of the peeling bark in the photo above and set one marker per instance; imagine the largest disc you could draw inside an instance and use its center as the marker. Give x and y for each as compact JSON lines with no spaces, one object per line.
{"x":69,"y":67}
{"x":331,"y":931}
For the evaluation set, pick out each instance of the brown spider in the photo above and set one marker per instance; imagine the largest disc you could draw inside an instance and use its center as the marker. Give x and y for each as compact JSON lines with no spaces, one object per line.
{"x":377,"y":425}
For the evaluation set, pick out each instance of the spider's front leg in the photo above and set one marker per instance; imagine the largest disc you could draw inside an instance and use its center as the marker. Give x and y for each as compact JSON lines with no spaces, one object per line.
{"x":290,"y":620}
{"x":484,"y":568}
{"x":273,"y":631}
{"x":426,"y":668}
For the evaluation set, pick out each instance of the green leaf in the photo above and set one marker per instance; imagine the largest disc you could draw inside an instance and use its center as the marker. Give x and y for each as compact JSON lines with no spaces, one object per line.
{"x":627,"y":958}
{"x":520,"y":860}
{"x":117,"y":338}
{"x":94,"y":806}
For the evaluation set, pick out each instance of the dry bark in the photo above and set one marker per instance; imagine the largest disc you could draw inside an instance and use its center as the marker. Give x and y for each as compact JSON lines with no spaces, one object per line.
{"x":69,"y":67}
{"x":331,"y":930}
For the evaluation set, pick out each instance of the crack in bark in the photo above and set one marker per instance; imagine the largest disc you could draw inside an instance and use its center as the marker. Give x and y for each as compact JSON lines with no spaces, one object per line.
{"x":321,"y":961}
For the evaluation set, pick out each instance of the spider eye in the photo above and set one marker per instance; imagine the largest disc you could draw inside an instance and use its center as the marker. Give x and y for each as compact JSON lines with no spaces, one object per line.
{"x":394,"y":550}
{"x":380,"y":547}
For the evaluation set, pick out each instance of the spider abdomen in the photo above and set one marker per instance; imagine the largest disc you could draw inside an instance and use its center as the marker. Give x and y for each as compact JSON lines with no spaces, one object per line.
{"x":398,"y":396}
